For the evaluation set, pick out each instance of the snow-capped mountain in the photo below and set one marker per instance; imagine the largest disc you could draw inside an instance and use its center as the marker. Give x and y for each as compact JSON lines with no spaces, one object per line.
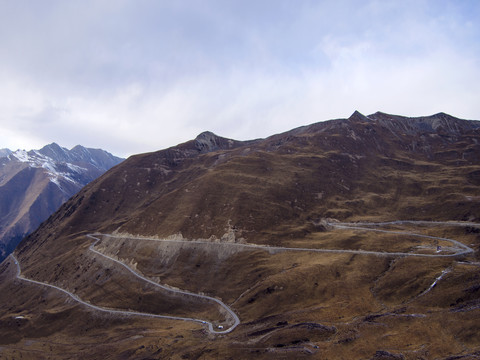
{"x":33,"y":184}
{"x":5,"y":152}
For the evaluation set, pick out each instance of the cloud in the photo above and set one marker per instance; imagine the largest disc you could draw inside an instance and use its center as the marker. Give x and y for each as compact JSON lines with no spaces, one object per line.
{"x":137,"y":76}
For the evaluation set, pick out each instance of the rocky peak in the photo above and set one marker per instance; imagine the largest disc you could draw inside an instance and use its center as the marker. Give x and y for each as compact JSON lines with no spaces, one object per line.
{"x":96,"y":157}
{"x":358,"y":116}
{"x":55,"y":152}
{"x":208,"y":141}
{"x":437,"y":123}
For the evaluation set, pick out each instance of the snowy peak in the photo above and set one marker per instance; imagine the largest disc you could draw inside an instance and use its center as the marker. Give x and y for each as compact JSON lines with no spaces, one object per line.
{"x":55,"y":152}
{"x":79,"y":165}
{"x":5,"y":152}
{"x":33,"y":184}
{"x":97,"y":157}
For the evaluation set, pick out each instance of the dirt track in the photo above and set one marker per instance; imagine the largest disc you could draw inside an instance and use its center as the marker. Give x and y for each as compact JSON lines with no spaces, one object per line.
{"x":460,"y":248}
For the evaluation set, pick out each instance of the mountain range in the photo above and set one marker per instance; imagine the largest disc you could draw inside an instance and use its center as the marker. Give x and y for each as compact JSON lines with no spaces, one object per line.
{"x":352,"y":238}
{"x":33,"y":185}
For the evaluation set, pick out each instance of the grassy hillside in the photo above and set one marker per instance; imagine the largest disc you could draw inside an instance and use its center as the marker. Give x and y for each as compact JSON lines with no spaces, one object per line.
{"x":211,"y":196}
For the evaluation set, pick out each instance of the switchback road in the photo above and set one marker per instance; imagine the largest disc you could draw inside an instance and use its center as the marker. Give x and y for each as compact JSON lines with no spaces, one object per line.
{"x":95,"y":307}
{"x":136,"y":313}
{"x":461,"y":249}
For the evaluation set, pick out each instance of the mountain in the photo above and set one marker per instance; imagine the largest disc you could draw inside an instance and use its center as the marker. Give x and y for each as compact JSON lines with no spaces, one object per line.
{"x":349,"y":238}
{"x":34,"y":184}
{"x":5,"y":152}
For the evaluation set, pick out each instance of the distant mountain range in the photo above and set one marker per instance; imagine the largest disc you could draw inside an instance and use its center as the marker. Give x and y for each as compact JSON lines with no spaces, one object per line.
{"x":33,"y":184}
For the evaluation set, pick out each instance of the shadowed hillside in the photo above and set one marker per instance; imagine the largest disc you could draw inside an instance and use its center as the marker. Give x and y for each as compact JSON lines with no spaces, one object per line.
{"x":34,"y":184}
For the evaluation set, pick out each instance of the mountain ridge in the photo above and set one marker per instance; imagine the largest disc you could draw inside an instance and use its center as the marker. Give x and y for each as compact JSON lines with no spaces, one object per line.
{"x":33,"y":184}
{"x":316,"y":238}
{"x":354,"y":142}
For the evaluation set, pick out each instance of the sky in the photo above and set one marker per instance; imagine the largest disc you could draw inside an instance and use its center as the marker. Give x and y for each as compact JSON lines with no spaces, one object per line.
{"x":134,"y":76}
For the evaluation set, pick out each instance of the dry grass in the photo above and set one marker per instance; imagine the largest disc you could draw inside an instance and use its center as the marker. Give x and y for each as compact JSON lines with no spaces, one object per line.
{"x":291,"y":304}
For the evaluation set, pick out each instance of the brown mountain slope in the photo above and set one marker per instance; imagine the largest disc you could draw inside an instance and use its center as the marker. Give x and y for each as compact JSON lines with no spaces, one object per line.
{"x":278,"y":192}
{"x":347,"y":169}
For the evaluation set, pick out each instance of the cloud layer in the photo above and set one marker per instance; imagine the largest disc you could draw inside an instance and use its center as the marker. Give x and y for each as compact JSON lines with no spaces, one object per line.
{"x":135,"y":76}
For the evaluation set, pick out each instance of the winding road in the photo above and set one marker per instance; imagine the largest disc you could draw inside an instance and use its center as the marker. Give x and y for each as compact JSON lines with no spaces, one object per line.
{"x":211,"y":328}
{"x":234,"y":316}
{"x":460,"y":248}
{"x":99,"y":308}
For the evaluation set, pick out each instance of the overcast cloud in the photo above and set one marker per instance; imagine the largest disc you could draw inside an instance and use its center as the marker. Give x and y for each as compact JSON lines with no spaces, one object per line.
{"x":133,"y":76}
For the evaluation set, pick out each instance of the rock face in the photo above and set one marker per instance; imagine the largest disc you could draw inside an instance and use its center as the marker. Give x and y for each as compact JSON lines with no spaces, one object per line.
{"x":34,"y":184}
{"x":219,"y":201}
